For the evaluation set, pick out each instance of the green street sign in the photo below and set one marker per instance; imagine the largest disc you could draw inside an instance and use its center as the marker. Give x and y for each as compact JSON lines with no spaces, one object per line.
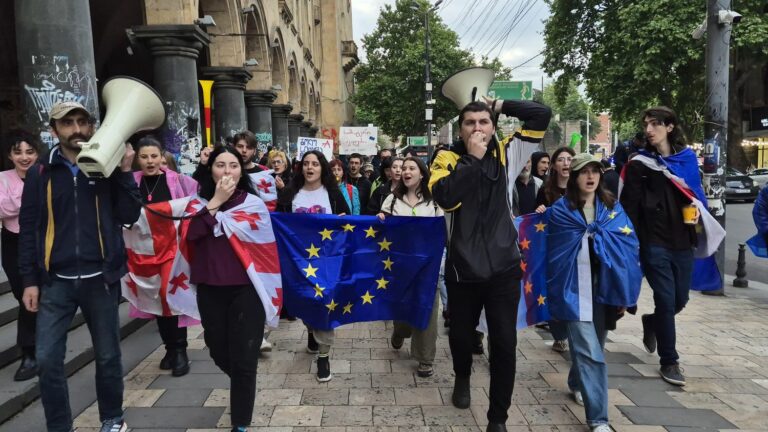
{"x":511,"y":90}
{"x":417,"y":141}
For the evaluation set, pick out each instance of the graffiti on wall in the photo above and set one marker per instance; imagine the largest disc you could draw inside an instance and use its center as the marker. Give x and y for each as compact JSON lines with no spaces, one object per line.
{"x":263,"y":140}
{"x":332,"y":134}
{"x":53,"y":80}
{"x":181,"y":134}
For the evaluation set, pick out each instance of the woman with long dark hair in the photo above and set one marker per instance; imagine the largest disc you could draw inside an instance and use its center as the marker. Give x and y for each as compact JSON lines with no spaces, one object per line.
{"x":231,"y":310}
{"x":23,"y":148}
{"x":412,"y":197}
{"x":593,"y":275}
{"x":392,"y":169}
{"x":349,"y":191}
{"x":158,"y":184}
{"x":314,"y":190}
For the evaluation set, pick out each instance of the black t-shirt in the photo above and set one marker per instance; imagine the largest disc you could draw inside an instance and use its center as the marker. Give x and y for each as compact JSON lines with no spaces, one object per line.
{"x":154,"y":189}
{"x":526,"y":196}
{"x":254,"y":169}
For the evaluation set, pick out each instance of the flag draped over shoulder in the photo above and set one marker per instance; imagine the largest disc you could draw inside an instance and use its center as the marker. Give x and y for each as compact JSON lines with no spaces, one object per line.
{"x":532,"y":240}
{"x":157,"y":281}
{"x":682,"y":169}
{"x":343,"y":269}
{"x":265,"y":186}
{"x":569,"y":277}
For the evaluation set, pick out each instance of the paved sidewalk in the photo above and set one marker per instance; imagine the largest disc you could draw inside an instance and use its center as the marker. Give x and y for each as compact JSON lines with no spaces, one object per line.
{"x":723,"y":343}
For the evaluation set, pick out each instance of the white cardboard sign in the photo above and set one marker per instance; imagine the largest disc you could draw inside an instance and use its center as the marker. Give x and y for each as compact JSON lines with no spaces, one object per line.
{"x":358,"y":140}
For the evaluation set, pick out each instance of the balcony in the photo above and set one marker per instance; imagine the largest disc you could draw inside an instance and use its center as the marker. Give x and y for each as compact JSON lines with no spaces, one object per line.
{"x":285,"y":11}
{"x":348,"y":49}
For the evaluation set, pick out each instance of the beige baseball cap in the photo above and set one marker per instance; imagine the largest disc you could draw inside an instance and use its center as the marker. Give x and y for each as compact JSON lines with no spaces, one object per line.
{"x":582,"y":159}
{"x":60,"y":109}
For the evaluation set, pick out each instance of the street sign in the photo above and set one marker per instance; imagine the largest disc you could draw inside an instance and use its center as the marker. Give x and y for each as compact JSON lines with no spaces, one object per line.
{"x":511,"y":90}
{"x":417,"y":141}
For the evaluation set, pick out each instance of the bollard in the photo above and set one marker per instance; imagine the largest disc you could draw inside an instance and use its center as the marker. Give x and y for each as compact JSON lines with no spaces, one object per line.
{"x":741,"y":272}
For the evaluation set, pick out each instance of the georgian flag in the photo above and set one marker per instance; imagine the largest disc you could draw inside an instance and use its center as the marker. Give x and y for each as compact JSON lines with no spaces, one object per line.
{"x":157,"y":281}
{"x":265,"y":187}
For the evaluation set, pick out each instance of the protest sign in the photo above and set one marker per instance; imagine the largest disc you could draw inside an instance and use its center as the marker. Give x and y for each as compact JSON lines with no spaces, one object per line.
{"x":324,"y":145}
{"x":358,"y":140}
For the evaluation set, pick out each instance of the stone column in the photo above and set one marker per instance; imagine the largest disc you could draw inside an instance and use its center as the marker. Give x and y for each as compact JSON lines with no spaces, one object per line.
{"x":304,"y":130}
{"x":294,"y":129}
{"x":175,"y":49}
{"x":258,"y":103}
{"x":280,"y":135}
{"x":229,"y":115}
{"x":54,"y":46}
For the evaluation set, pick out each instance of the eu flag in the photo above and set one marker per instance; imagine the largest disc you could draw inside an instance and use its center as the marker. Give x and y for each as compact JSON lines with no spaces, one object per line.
{"x":343,"y":269}
{"x":532,"y":241}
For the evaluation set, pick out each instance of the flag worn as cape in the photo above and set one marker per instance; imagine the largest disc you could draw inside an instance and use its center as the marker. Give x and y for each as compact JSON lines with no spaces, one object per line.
{"x":682,"y":169}
{"x":344,"y":269}
{"x":159,"y":256}
{"x":532,"y":241}
{"x":569,"y":276}
{"x":265,"y":187}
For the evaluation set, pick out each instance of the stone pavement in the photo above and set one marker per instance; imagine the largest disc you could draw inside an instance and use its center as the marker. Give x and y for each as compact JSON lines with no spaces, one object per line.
{"x":723,"y":343}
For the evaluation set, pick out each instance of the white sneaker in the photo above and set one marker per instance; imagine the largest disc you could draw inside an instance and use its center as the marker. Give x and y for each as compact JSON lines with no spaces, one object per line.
{"x":602,"y":428}
{"x":266,"y":346}
{"x":577,"y":397}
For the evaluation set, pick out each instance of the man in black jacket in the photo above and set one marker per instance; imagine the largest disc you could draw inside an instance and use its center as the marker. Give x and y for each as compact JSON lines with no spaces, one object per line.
{"x":473,"y":183}
{"x":71,"y":254}
{"x":357,"y":179}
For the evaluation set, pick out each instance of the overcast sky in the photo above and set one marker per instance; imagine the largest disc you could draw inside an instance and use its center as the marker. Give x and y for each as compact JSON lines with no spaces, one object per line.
{"x":481,"y":29}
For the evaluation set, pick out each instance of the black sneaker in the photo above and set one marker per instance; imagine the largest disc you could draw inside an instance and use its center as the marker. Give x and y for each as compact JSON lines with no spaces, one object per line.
{"x":396,"y":341}
{"x":672,"y":374}
{"x":312,"y":346}
{"x":324,"y":368}
{"x":649,"y":334}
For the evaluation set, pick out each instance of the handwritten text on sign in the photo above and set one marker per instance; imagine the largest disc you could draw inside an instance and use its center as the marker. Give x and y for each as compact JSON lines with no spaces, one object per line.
{"x":324,"y":145}
{"x":358,"y":140}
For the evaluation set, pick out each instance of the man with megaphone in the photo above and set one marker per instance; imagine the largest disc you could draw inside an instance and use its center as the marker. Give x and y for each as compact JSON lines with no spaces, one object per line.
{"x":473,"y":181}
{"x":71,"y":254}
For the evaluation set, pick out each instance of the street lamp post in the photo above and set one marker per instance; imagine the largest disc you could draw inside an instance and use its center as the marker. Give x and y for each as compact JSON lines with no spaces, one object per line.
{"x":428,"y":112}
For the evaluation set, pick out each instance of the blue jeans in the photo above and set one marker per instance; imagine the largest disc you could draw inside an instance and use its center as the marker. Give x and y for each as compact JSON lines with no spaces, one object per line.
{"x":669,"y":274}
{"x":58,"y":303}
{"x":589,"y":372}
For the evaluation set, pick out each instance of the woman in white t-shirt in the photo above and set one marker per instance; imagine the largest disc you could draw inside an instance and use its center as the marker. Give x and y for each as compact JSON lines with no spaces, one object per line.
{"x":412,"y":197}
{"x":314,"y":190}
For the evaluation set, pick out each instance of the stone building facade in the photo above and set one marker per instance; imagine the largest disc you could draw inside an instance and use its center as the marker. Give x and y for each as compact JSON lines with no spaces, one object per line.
{"x":280,"y":68}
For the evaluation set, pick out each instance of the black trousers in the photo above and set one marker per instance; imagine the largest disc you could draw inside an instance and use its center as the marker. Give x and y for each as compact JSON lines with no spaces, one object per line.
{"x":233,"y":323}
{"x":500,"y":299}
{"x":25,"y":335}
{"x":174,"y":337}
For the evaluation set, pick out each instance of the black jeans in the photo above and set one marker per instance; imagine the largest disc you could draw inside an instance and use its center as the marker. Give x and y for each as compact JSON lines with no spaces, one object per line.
{"x":500,"y":299}
{"x":174,"y":337}
{"x":233,"y":321}
{"x":26,"y":324}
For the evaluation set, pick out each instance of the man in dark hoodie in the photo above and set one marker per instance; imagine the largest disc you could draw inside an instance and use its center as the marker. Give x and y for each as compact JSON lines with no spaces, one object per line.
{"x":540,"y":165}
{"x":71,"y":254}
{"x":473,"y":183}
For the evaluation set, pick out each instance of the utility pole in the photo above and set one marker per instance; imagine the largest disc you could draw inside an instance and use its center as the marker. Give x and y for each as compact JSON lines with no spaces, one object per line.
{"x":587,"y":128}
{"x":716,"y":117}
{"x":428,"y":112}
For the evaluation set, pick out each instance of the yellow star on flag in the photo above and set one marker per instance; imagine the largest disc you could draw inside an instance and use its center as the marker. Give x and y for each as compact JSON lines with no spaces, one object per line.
{"x":370,"y":232}
{"x":626,"y":230}
{"x":367,"y":298}
{"x":313,"y":251}
{"x":528,"y":287}
{"x":331,"y":306}
{"x":388,"y":264}
{"x":382,"y":283}
{"x":326,"y":233}
{"x":310,"y":271}
{"x":384,"y":244}
{"x":319,"y":291}
{"x":347,"y":309}
{"x":541,"y":299}
{"x":523,"y":265}
{"x":525,"y":244}
{"x":540,"y":226}
{"x":348,"y":227}
{"x":612,"y":215}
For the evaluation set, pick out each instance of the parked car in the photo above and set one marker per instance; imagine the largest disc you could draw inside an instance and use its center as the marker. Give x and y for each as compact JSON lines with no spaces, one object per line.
{"x":760,"y":176}
{"x":739,"y":186}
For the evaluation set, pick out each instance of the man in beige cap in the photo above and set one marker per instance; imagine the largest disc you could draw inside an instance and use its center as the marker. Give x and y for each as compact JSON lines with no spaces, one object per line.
{"x":71,"y":254}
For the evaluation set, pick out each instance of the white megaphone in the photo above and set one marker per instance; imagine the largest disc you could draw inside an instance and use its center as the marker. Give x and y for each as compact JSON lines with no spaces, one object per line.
{"x":467,"y":85}
{"x":132,"y":106}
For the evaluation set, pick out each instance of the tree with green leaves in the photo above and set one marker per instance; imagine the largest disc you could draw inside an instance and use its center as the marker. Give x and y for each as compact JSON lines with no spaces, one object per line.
{"x":572,"y":107}
{"x":632,"y":55}
{"x":390,"y":83}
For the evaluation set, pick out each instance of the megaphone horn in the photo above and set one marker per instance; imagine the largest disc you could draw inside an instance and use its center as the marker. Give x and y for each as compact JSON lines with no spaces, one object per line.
{"x":132,"y":106}
{"x":467,"y":85}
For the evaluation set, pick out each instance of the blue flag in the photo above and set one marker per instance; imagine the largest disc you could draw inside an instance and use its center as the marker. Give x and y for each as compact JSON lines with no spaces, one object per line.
{"x":338,"y":270}
{"x":532,"y":240}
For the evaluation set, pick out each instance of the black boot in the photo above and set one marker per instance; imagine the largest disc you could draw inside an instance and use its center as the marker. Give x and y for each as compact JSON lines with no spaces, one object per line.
{"x":461,"y":397}
{"x":180,"y":363}
{"x":167,"y":362}
{"x":27,"y":369}
{"x":496,"y":427}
